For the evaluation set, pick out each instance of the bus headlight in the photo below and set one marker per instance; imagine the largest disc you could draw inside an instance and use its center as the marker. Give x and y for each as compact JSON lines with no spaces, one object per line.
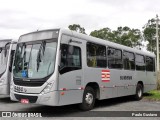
{"x":1,"y":81}
{"x":47,"y":88}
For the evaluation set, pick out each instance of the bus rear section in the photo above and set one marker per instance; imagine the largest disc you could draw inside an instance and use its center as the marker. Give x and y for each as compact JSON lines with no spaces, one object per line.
{"x":6,"y":57}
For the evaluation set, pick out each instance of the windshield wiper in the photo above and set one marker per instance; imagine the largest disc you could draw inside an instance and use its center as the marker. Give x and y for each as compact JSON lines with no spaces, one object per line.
{"x":39,"y":55}
{"x":43,"y":46}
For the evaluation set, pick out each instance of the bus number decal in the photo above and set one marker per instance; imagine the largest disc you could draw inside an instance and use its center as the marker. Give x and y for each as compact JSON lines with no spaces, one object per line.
{"x":105,"y":75}
{"x":125,"y":77}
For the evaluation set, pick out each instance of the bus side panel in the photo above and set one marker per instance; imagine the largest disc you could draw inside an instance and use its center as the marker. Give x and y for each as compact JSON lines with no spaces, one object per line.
{"x":125,"y":82}
{"x":70,"y":97}
{"x":150,"y":82}
{"x":71,"y":82}
{"x":93,"y":75}
{"x":141,"y":76}
{"x":68,"y":88}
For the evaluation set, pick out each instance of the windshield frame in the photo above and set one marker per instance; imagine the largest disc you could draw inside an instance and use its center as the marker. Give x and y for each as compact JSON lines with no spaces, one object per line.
{"x":36,"y":42}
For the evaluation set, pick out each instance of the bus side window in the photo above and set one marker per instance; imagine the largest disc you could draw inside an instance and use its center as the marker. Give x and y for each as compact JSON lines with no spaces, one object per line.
{"x":128,"y":60}
{"x":114,"y":58}
{"x":70,"y":58}
{"x":96,"y":55}
{"x":140,"y":62}
{"x":150,"y":66}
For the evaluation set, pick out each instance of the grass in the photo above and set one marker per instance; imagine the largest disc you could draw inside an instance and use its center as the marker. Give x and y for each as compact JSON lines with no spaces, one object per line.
{"x":153,"y":95}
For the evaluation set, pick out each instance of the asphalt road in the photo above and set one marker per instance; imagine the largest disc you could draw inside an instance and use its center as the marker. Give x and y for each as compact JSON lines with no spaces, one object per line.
{"x":70,"y":111}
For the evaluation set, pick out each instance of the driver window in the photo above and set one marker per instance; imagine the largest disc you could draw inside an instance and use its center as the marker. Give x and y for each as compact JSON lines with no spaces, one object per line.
{"x":70,"y":58}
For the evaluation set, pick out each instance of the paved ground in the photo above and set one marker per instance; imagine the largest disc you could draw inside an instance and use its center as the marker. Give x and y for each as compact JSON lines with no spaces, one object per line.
{"x":65,"y":112}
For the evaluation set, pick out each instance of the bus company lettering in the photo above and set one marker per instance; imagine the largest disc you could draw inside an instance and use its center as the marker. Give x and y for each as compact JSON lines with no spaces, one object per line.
{"x":125,"y":77}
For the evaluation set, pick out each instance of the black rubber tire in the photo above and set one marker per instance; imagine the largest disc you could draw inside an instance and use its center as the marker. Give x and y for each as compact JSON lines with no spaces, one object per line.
{"x":84,"y":105}
{"x":139,"y":88}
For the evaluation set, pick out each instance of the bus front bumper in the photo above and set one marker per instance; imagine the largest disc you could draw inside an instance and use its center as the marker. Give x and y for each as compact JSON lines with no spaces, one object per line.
{"x":50,"y":98}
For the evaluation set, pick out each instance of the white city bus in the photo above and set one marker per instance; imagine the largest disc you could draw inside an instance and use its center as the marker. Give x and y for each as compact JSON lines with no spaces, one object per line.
{"x":7,"y":49}
{"x":60,"y":67}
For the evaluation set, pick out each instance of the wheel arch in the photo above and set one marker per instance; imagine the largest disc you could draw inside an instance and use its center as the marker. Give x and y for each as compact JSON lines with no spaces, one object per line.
{"x":96,"y":88}
{"x":141,"y":83}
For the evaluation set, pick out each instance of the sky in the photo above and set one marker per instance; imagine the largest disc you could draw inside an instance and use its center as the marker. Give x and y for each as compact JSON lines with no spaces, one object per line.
{"x":18,"y":17}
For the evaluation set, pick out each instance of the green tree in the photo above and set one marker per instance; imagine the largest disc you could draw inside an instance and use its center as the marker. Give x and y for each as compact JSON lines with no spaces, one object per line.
{"x":123,"y":35}
{"x":104,"y":33}
{"x":77,"y":28}
{"x":149,"y":34}
{"x":128,"y":37}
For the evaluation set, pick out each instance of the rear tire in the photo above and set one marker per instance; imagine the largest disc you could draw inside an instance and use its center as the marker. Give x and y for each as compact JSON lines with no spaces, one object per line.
{"x":139,"y":92}
{"x":88,"y":99}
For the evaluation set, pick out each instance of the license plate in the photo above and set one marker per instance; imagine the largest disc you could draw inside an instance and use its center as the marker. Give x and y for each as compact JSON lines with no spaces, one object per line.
{"x":24,"y":101}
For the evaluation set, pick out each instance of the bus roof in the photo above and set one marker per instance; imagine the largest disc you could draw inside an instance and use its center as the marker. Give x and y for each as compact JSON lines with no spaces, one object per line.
{"x":91,"y":39}
{"x":106,"y":42}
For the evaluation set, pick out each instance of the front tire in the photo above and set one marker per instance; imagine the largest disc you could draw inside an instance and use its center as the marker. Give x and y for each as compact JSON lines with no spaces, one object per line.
{"x":88,"y":99}
{"x":139,"y":92}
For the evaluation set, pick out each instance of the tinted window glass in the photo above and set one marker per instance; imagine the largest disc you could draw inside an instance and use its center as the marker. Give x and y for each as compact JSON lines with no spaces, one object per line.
{"x":128,"y":60}
{"x":96,"y":55}
{"x":70,"y":58}
{"x":114,"y":58}
{"x":35,"y":60}
{"x":150,"y":66}
{"x":140,"y":62}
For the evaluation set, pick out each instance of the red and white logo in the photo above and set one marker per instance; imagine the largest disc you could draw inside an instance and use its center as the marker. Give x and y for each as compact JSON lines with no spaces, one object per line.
{"x":105,"y":75}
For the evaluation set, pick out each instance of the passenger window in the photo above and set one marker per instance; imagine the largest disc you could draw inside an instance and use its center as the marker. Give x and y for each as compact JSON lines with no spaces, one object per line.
{"x":140,"y":62}
{"x":150,"y":64}
{"x":114,"y":58}
{"x":70,"y":58}
{"x":96,"y":55}
{"x":128,"y":60}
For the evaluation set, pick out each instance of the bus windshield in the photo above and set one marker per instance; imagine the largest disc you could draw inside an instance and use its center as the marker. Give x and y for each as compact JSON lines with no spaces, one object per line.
{"x":3,"y":60}
{"x":35,"y":59}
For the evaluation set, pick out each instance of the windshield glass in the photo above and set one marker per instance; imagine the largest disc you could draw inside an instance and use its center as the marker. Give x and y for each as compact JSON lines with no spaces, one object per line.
{"x":3,"y":60}
{"x":35,"y":60}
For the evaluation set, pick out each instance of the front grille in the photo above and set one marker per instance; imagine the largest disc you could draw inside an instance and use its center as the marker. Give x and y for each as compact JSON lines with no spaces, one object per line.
{"x":31,"y":83}
{"x":28,"y":83}
{"x":32,"y":99}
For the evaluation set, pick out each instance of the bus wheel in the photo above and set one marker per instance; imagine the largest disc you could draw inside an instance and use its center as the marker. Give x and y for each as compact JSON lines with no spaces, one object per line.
{"x":139,"y":92}
{"x":88,"y":99}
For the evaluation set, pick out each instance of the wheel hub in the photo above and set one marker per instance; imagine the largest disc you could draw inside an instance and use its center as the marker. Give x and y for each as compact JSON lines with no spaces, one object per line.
{"x":139,"y":93}
{"x":89,"y":98}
